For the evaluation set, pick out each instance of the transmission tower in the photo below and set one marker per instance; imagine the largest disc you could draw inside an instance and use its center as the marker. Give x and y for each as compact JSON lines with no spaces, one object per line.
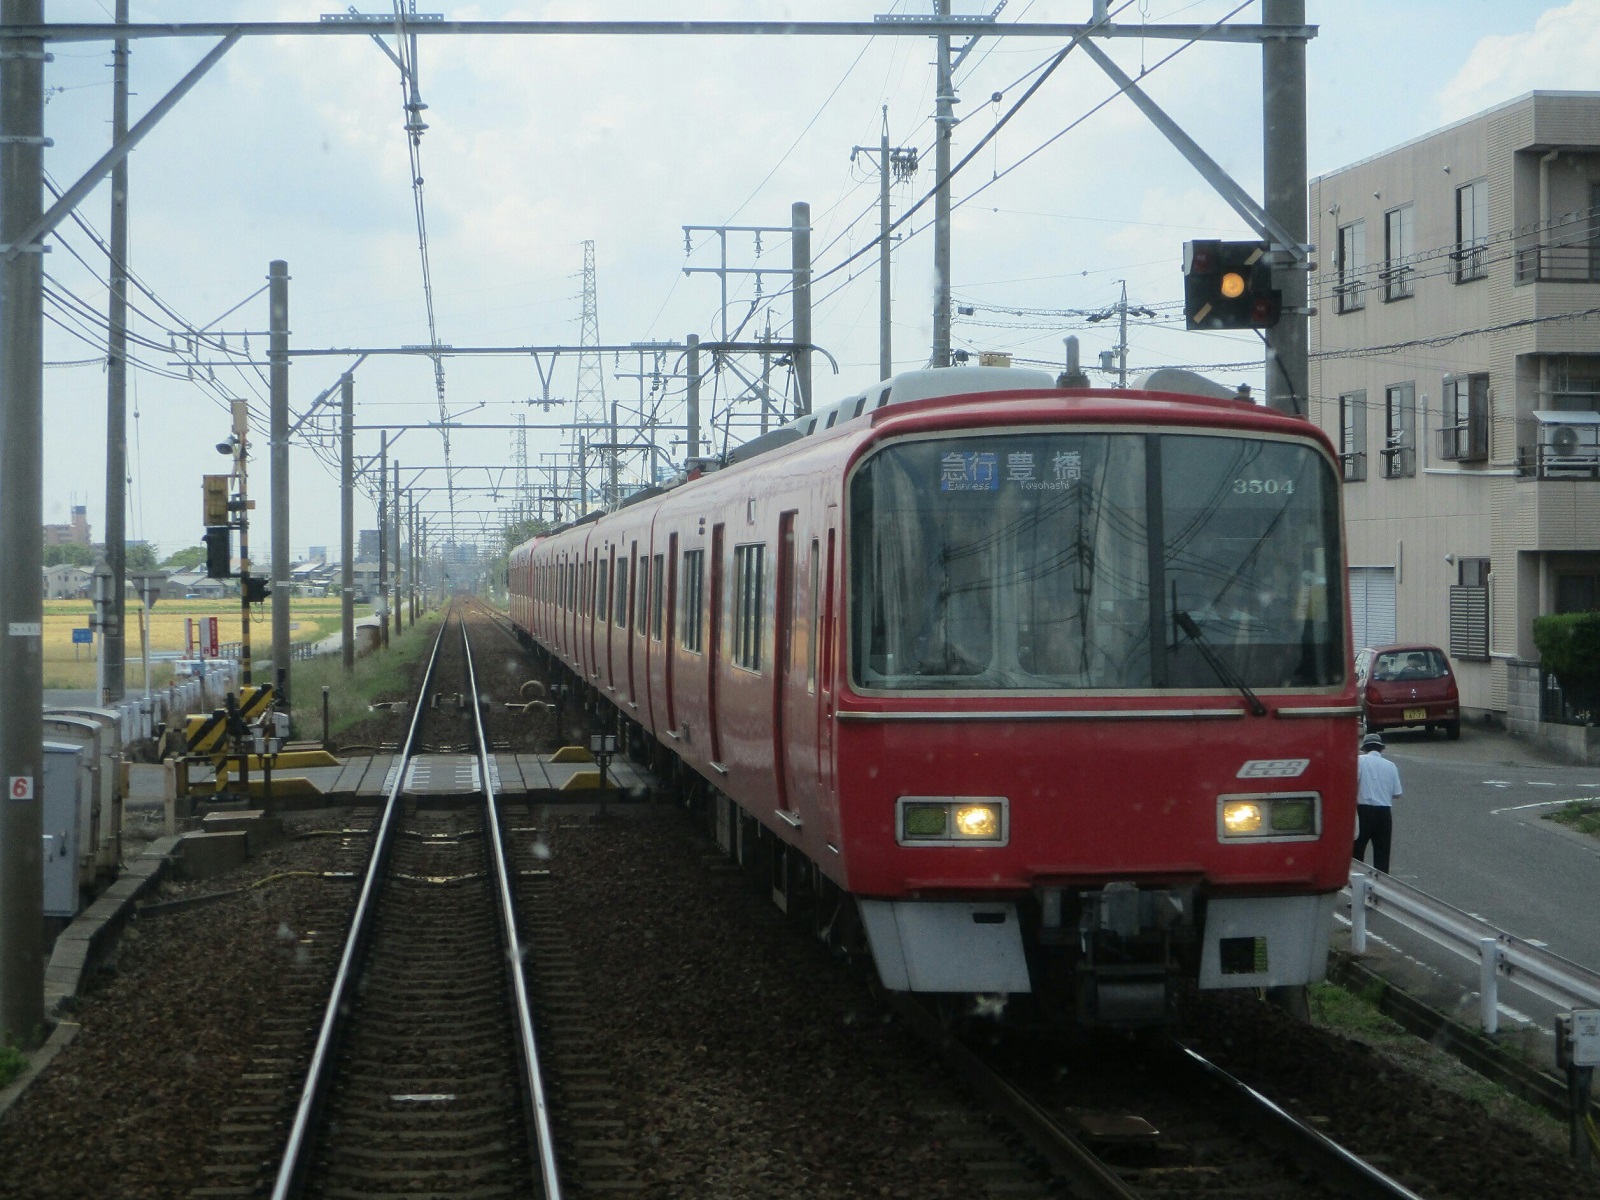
{"x":592,"y":418}
{"x":519,"y":460}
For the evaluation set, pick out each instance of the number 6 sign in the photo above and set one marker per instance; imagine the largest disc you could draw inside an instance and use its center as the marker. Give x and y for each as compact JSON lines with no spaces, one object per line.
{"x":21,"y":787}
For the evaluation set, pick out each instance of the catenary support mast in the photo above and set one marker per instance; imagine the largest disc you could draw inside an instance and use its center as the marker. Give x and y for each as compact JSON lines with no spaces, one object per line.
{"x":22,"y":506}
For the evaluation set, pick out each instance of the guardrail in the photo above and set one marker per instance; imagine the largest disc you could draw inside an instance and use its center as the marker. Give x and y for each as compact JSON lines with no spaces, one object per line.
{"x":1499,"y":955}
{"x":198,"y":694}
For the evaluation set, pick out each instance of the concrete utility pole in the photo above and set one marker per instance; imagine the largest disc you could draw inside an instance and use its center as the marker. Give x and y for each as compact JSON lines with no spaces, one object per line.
{"x":691,"y":425}
{"x":278,"y":389}
{"x":383,"y":538}
{"x":112,"y":638}
{"x":1283,"y":144}
{"x":241,"y":466}
{"x":902,"y":160}
{"x":21,"y":543}
{"x":399,"y":570}
{"x":800,"y":219}
{"x":944,"y":128}
{"x":347,"y":519}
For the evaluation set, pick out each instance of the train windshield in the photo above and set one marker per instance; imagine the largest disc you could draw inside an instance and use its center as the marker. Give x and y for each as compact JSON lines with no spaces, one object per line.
{"x":1066,"y":561}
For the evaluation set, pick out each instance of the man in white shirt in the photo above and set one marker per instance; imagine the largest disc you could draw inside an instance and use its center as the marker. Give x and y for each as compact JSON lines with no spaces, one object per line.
{"x":1377,"y":784}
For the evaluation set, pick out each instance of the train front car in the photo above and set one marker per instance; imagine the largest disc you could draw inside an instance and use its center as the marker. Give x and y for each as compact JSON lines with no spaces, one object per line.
{"x":1098,"y":731}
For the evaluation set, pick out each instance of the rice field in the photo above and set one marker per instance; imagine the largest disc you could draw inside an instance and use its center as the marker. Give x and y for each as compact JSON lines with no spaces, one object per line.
{"x":73,"y":666}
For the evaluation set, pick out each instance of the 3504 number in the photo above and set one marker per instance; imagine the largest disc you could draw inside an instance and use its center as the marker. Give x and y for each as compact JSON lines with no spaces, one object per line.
{"x":1263,"y":487}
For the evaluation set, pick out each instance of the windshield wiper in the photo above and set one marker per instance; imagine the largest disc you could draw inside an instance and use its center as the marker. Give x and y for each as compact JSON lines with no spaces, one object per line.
{"x":1223,"y":671}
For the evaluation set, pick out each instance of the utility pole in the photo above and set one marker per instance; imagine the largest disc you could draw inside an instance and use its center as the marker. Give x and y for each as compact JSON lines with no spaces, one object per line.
{"x":21,"y":543}
{"x":1122,"y":337}
{"x":902,"y":160}
{"x":112,"y":637}
{"x":347,"y":519}
{"x":383,"y":538}
{"x":589,"y":404}
{"x":399,"y":569}
{"x":241,"y":454}
{"x":1283,"y":144}
{"x":800,"y":219}
{"x":944,"y":128}
{"x":278,"y":391}
{"x":691,"y":428}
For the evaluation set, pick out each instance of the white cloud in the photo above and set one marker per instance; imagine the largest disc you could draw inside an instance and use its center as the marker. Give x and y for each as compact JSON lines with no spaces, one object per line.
{"x":1561,"y":51}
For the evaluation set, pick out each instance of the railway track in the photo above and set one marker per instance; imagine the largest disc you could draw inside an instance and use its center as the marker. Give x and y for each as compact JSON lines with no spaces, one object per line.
{"x":1152,"y":1120}
{"x":425,"y":1077}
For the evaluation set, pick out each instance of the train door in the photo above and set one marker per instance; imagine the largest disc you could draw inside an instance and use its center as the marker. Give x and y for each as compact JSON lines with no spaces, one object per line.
{"x":798,"y":755}
{"x":633,"y":622}
{"x":827,"y":656}
{"x":782,"y":658}
{"x":714,"y":648}
{"x":669,"y":654}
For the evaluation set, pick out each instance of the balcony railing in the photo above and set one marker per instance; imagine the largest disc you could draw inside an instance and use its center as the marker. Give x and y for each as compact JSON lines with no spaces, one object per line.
{"x":1558,"y":264}
{"x":1547,"y":462}
{"x":1355,"y":466}
{"x":1465,"y":441}
{"x":1399,"y":462}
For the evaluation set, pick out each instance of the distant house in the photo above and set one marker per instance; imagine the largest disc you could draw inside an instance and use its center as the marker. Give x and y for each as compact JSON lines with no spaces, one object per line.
{"x":193,"y":582}
{"x":66,"y":582}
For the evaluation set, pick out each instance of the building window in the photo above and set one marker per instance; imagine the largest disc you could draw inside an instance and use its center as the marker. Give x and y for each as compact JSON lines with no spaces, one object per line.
{"x":656,"y":595}
{"x":1465,"y":435}
{"x":1469,"y":610}
{"x":1351,"y":262}
{"x":1400,"y":431}
{"x":694,"y":562}
{"x":748,"y":600}
{"x":1472,"y":231}
{"x":1353,"y":436}
{"x":1398,"y":246}
{"x":1575,"y":593}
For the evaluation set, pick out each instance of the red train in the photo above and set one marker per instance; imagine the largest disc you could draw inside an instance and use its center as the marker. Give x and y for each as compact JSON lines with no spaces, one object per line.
{"x":1040,"y":690}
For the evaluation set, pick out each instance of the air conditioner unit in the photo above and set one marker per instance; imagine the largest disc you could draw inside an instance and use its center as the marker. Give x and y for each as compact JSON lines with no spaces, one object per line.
{"x":1569,"y":443}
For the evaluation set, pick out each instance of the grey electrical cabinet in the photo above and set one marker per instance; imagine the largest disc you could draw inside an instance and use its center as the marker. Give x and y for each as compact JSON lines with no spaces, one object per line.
{"x":61,"y":798}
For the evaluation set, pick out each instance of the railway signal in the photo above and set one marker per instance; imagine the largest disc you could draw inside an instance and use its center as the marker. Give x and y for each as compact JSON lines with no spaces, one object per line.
{"x":1228,"y":285}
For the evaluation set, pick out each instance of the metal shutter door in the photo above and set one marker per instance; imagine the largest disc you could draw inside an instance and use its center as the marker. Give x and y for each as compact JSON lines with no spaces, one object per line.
{"x":1372,"y":606}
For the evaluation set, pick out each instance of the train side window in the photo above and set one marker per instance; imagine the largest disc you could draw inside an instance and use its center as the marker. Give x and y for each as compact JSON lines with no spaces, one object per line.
{"x":812,"y":631}
{"x":602,"y":591}
{"x":658,"y":579}
{"x":641,"y":609}
{"x":693,"y":602}
{"x":620,"y":607}
{"x":749,"y":564}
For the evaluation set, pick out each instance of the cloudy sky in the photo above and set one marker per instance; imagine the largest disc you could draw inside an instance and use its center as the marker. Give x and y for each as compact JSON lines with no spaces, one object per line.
{"x":293,"y":149}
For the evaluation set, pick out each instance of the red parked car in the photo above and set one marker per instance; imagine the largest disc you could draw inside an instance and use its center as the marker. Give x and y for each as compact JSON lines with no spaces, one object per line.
{"x":1408,"y":685}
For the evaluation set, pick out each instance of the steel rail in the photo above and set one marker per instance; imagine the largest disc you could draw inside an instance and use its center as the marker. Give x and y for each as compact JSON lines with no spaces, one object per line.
{"x":1312,"y":1149}
{"x":541,"y":1141}
{"x":1065,"y":1153}
{"x":291,"y":1170}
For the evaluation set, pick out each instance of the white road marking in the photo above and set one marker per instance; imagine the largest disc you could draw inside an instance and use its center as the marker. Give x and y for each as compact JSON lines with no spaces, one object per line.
{"x":1540,"y":783}
{"x":1499,"y":783}
{"x":1495,"y":812}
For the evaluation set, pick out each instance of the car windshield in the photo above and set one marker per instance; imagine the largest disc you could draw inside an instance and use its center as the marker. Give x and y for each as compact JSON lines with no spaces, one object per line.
{"x":1405,"y":665}
{"x":1024,"y":561}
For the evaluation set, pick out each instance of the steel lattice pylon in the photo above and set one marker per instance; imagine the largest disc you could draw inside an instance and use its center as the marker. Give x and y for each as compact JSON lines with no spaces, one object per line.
{"x":591,"y":416}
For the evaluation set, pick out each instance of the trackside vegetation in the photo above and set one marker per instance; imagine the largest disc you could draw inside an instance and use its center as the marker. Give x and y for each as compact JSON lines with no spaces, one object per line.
{"x":380,"y":675}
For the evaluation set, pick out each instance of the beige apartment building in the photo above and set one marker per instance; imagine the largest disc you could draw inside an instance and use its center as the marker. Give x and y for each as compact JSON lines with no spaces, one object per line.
{"x":1456,"y":365}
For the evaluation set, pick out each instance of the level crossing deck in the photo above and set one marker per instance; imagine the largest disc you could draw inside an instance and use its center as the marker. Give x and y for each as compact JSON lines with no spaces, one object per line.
{"x":522,"y":777}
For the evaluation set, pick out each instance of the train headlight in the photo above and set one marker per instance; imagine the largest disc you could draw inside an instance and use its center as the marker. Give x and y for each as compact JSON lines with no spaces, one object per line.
{"x":952,"y":821}
{"x":977,"y":821}
{"x":1241,"y":817}
{"x":1279,"y":818}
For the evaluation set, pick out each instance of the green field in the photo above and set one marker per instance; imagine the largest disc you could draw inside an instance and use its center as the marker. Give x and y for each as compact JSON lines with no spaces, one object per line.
{"x":70,"y":666}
